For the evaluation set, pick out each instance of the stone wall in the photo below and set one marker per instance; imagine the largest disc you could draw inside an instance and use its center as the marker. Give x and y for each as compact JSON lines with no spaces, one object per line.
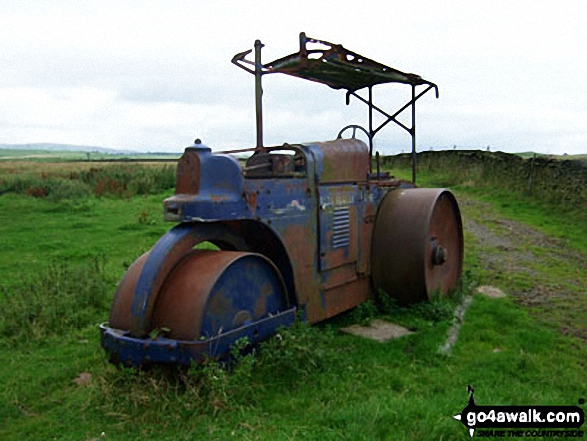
{"x":557,"y":181}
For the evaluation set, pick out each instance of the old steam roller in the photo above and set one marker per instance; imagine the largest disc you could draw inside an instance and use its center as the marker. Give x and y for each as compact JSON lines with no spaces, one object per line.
{"x":306,"y":228}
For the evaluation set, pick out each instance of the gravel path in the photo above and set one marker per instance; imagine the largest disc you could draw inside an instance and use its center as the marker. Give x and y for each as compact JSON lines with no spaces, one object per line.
{"x":553,"y":276}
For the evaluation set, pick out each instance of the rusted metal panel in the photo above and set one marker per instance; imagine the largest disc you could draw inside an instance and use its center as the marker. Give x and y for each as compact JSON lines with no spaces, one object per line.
{"x":365,"y":220}
{"x":346,"y":296}
{"x":341,"y":160}
{"x":338,"y":225}
{"x":328,"y":63}
{"x":270,"y":165}
{"x":188,"y":173}
{"x":300,"y":243}
{"x":339,"y":276}
{"x":211,"y":190}
{"x":288,"y":207}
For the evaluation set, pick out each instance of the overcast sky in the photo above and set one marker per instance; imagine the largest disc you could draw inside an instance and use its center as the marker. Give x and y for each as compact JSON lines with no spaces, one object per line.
{"x":153,"y":75}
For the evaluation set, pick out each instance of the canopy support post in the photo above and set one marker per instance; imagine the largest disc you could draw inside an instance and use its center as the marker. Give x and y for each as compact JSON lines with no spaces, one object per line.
{"x":259,"y":93}
{"x":413,"y":133}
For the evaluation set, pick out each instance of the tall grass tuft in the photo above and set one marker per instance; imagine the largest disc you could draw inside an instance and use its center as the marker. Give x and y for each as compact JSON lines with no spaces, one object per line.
{"x":127,"y":179}
{"x":298,"y":352}
{"x":60,"y":299}
{"x":120,"y":180}
{"x":146,"y":395}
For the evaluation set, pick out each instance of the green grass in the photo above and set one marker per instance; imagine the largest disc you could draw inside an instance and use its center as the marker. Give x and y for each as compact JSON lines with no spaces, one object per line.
{"x":62,"y":299}
{"x":43,"y":156}
{"x":37,"y":231}
{"x":358,"y":389}
{"x":305,"y":383}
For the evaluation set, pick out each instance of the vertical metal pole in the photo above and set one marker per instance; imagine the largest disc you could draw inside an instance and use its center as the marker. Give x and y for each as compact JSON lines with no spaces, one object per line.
{"x":370,"y":128}
{"x":259,"y":93}
{"x":413,"y":133}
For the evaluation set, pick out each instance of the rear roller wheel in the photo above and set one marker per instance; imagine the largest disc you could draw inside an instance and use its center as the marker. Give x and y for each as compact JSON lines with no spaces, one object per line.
{"x":417,"y":247}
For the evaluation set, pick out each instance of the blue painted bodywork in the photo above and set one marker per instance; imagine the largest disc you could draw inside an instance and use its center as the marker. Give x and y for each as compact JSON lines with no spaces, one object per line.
{"x":137,"y":351}
{"x":320,"y":212}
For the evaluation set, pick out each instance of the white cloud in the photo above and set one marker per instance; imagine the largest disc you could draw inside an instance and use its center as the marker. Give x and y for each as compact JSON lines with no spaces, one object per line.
{"x":152,"y":75}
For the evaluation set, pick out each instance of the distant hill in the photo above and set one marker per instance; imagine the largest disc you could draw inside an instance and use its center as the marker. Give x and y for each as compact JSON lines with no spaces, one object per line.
{"x":66,"y":148}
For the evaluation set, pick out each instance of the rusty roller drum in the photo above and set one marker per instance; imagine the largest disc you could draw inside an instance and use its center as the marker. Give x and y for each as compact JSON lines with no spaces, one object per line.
{"x":417,"y":248}
{"x":205,"y":293}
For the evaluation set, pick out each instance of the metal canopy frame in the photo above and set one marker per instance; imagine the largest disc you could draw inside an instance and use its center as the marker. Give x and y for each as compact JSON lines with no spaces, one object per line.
{"x":338,"y":68}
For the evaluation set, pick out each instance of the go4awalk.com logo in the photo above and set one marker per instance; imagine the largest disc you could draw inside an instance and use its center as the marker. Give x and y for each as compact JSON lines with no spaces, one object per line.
{"x":522,"y":421}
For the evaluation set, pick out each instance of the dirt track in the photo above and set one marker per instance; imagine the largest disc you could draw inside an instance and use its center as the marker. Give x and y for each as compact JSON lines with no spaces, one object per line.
{"x":542,"y":273}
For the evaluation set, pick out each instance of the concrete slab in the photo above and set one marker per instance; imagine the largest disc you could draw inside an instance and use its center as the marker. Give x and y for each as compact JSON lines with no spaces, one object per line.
{"x":378,"y":330}
{"x":490,"y":291}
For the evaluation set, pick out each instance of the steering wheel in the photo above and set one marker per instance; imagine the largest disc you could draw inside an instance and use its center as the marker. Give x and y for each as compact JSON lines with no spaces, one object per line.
{"x":354,"y":127}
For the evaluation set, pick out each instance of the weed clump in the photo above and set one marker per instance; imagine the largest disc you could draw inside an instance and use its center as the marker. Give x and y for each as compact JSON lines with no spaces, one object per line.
{"x":296,"y":353}
{"x":423,"y":314}
{"x":143,"y":395}
{"x":293,"y":356}
{"x":365,"y":313}
{"x":60,"y":299}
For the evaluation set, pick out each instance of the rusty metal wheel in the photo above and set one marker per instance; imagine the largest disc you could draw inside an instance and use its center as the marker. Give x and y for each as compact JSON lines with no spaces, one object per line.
{"x":138,"y":290}
{"x":417,"y":247}
{"x":197,"y":293}
{"x":213,"y":292}
{"x":178,"y":303}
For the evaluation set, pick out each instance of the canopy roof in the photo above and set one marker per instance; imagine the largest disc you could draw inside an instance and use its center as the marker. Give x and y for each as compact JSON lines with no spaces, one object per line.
{"x":338,"y":67}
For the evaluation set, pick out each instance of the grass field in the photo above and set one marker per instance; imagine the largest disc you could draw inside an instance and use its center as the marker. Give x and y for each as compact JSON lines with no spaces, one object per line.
{"x":39,"y":155}
{"x":61,"y":258}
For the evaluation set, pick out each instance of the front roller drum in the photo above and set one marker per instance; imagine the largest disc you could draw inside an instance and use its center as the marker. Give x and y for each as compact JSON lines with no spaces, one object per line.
{"x":417,"y":248}
{"x":206,"y":293}
{"x":206,"y":301}
{"x":213,"y":292}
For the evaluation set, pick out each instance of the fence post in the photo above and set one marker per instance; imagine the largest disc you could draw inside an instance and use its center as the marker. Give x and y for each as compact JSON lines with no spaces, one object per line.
{"x":530,"y":174}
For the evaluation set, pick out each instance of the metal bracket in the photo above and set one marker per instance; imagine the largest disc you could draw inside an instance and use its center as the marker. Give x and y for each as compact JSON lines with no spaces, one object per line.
{"x":338,"y":68}
{"x":393,"y":117}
